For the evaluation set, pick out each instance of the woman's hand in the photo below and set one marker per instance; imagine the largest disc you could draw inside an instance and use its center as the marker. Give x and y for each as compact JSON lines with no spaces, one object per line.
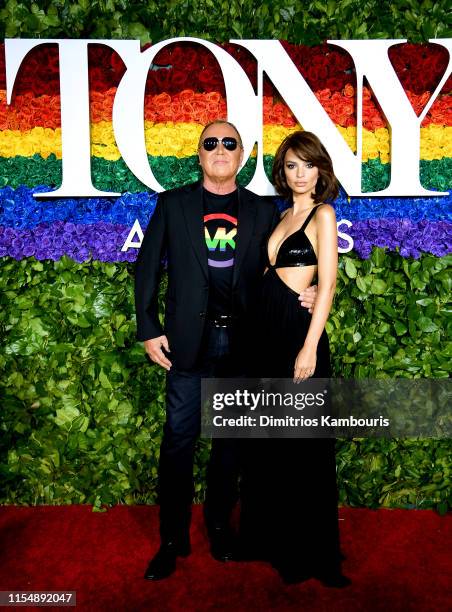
{"x":305,"y":364}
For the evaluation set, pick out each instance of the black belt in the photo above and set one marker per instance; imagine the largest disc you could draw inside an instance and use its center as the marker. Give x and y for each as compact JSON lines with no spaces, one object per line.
{"x":221,"y":321}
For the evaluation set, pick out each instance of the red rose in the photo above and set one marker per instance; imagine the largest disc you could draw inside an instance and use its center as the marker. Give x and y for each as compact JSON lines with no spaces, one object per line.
{"x":190,"y":59}
{"x":312,"y":76}
{"x":159,"y":79}
{"x":268,"y":89}
{"x":177,"y":55}
{"x":335,"y":83}
{"x":118,"y":67}
{"x":320,"y":60}
{"x":178,"y":79}
{"x":163,"y":57}
{"x":98,"y":79}
{"x":211,"y":80}
{"x":339,"y":62}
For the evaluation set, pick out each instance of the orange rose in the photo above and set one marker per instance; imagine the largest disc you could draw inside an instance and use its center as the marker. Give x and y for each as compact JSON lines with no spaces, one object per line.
{"x":161,"y":101}
{"x":349,"y":91}
{"x":186,"y":94}
{"x":366,"y":94}
{"x":213,"y":96}
{"x":149,"y":111}
{"x":13,"y":122}
{"x":323,"y":94}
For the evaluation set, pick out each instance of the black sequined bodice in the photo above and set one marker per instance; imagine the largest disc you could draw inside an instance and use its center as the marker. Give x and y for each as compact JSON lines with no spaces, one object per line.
{"x":296,"y":249}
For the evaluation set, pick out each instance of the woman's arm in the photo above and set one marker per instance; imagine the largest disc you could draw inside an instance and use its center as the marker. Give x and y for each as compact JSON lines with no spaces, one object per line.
{"x":327,"y":271}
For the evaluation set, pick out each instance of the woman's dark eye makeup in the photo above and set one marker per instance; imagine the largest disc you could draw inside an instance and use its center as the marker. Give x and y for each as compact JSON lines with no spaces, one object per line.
{"x":291,"y":166}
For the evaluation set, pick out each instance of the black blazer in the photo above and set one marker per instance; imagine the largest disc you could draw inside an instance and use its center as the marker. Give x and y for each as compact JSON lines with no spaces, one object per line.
{"x":176,"y":229}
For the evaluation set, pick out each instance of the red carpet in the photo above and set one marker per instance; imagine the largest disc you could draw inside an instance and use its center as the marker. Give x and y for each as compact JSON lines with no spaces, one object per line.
{"x":397,"y":559}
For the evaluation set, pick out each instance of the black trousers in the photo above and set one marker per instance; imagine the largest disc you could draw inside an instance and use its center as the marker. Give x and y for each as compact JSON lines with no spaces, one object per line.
{"x":181,"y":430}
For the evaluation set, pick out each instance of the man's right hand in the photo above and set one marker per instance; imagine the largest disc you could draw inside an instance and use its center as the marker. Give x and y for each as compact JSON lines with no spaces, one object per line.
{"x":308,"y":297}
{"x":153,"y":348}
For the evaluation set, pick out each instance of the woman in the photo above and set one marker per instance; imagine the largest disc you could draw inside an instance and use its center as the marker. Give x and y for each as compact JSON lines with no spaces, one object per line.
{"x":289,"y":496}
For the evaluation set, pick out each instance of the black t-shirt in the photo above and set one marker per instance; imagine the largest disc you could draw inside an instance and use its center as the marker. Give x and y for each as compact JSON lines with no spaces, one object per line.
{"x":220,"y":230}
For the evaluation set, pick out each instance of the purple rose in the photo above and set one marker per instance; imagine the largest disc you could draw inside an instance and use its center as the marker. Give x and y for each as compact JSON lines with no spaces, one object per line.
{"x":8,"y":234}
{"x":17,"y":243}
{"x":29,"y":249}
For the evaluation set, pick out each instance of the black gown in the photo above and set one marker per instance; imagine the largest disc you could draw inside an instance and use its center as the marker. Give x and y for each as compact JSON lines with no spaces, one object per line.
{"x":289,"y":495}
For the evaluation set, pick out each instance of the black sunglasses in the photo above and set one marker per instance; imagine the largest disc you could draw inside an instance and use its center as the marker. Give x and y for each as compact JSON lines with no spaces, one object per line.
{"x":229,"y":143}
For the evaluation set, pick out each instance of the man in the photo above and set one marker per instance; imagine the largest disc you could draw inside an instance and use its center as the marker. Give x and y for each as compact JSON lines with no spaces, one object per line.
{"x":214,"y":235}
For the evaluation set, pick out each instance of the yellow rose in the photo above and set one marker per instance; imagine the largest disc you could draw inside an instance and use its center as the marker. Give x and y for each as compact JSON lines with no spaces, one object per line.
{"x":382,"y":135}
{"x":7,"y":146}
{"x":427,"y":150}
{"x":349,"y":135}
{"x":102,"y":132}
{"x":111,"y":153}
{"x":370,"y":145}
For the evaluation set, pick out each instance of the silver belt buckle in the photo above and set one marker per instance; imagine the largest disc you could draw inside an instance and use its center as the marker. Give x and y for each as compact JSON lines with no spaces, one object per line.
{"x":223,"y":321}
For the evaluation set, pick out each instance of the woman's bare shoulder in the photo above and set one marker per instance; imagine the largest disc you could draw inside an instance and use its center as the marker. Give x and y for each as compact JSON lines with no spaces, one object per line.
{"x":325,"y":212}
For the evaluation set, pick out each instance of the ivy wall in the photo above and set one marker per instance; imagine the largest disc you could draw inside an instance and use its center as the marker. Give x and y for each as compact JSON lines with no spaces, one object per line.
{"x":81,"y":409}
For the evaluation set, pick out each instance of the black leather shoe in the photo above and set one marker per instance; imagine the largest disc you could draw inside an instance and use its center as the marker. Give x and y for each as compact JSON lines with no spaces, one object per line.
{"x":334,"y":580}
{"x":292,"y":576}
{"x":164,"y":562}
{"x":246,"y":551}
{"x":222,"y":544}
{"x":290,"y":572}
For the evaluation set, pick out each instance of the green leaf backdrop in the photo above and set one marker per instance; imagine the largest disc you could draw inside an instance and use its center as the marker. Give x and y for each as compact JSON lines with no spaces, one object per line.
{"x":82,"y":411}
{"x":220,"y":20}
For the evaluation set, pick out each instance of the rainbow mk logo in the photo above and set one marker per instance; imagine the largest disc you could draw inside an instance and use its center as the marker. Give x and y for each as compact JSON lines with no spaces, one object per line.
{"x":222,"y":242}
